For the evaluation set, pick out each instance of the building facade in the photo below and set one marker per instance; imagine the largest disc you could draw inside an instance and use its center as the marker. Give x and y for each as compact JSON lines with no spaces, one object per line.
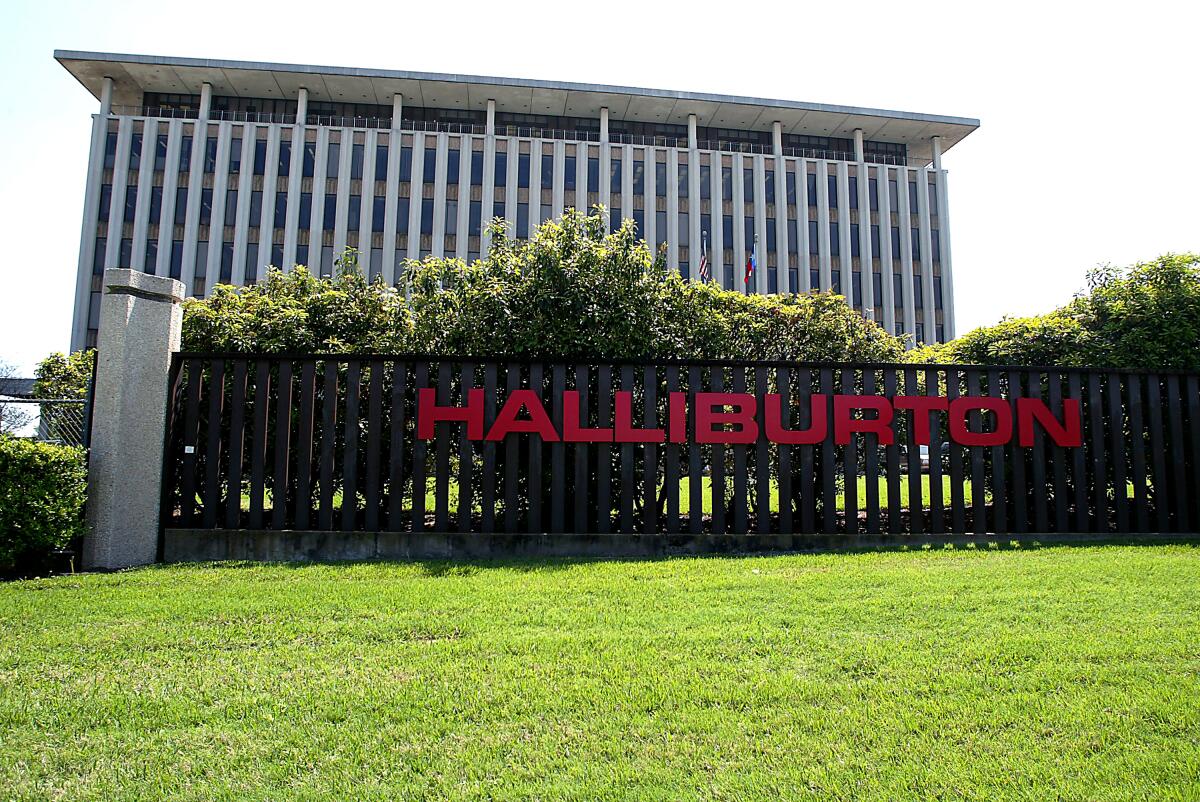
{"x":209,"y":171}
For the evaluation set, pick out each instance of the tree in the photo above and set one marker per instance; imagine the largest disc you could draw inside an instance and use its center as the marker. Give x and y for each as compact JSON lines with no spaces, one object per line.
{"x":1143,"y":316}
{"x":13,"y":417}
{"x":62,"y":376}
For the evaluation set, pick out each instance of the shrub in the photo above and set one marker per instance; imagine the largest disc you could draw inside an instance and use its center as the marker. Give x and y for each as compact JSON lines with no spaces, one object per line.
{"x":62,"y":376}
{"x":42,"y":489}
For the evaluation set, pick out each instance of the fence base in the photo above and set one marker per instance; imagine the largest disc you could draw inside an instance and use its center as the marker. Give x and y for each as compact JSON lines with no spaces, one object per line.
{"x":202,"y":545}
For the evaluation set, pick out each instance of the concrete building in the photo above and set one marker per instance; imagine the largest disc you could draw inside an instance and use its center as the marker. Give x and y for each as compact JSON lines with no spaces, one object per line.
{"x":208,"y":171}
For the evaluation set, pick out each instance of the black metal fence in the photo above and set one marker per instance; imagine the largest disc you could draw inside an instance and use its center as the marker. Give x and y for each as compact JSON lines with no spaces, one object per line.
{"x":331,"y":442}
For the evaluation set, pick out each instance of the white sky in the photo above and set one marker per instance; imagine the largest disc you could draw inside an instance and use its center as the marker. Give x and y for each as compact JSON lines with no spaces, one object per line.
{"x":1088,"y":152}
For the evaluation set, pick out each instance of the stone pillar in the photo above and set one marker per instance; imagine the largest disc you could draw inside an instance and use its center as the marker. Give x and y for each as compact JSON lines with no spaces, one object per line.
{"x":777,"y":138}
{"x":604,"y":124}
{"x":937,"y":152}
{"x":859,"y":155}
{"x":692,"y":132}
{"x":140,"y":324}
{"x":106,"y":92}
{"x":490,"y":124}
{"x":397,"y":110}
{"x":205,"y":101}
{"x":302,"y":106}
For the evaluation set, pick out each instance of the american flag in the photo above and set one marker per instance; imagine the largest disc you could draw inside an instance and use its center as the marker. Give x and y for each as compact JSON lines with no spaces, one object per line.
{"x":705,"y":274}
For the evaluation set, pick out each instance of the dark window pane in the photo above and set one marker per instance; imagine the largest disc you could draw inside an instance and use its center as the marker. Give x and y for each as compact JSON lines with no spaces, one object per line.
{"x":381,"y":162}
{"x":285,"y":158}
{"x":427,"y":215}
{"x":357,"y":155}
{"x":329,"y":218}
{"x":569,"y":169}
{"x":547,"y":172}
{"x":501,"y":178}
{"x":452,"y":163}
{"x":260,"y":157}
{"x":378,"y":211}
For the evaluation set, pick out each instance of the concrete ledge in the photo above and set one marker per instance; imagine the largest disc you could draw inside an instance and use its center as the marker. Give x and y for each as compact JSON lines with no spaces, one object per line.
{"x":203,"y":545}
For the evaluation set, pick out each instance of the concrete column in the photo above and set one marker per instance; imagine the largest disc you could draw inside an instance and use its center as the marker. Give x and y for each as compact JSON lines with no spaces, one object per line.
{"x":391,"y":208}
{"x":937,"y":152}
{"x":145,"y":186}
{"x":858,"y":145}
{"x":692,"y":140}
{"x":802,"y":225}
{"x":739,"y":244}
{"x":604,"y":124}
{"x":490,"y":126}
{"x":140,"y":324}
{"x":205,"y":100}
{"x":777,"y":138}
{"x":886,"y":257}
{"x":166,"y":218}
{"x":106,"y":92}
{"x":91,"y":216}
{"x":823,"y":250}
{"x":846,"y":259}
{"x":301,"y":106}
{"x":397,"y":108}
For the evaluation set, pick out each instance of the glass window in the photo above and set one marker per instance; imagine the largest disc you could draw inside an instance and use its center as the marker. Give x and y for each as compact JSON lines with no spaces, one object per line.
{"x":523,"y":170}
{"x":813,"y":244}
{"x":235,"y":155}
{"x":937,"y":294}
{"x":206,"y":196}
{"x":898,"y":289}
{"x":185,"y":153}
{"x":401,"y":215}
{"x":793,"y":281}
{"x":210,"y":155}
{"x":547,"y":172}
{"x":110,"y":150}
{"x":639,"y":221}
{"x":160,"y":153}
{"x":522,"y":220}
{"x":332,"y":159}
{"x":569,"y":174}
{"x":453,"y":157}
{"x":912,"y":196}
{"x":793,"y":238}
{"x":835,"y":245}
{"x":310,"y":159}
{"x":877,"y":285}
{"x":151,"y":256}
{"x":130,"y":202}
{"x":477,"y":168}
{"x":791,"y":187}
{"x":812,"y":188}
{"x":936,"y":244}
{"x":501,"y":178}
{"x":226,"y":262}
{"x":726,"y":183}
{"x":895,"y":242}
{"x":748,"y":184}
{"x":853,"y":192}
{"x":285,"y":158}
{"x":614,"y":169}
{"x":833,"y":193}
{"x":814,"y":278}
{"x":231,"y":201}
{"x":614,"y":219}
{"x":451,"y":218}
{"x":155,"y":204}
{"x":381,"y":162}
{"x":916,"y":244}
{"x":770,"y":185}
{"x":660,"y":179}
{"x":475,"y":218}
{"x":685,"y":230}
{"x":427,"y":215}
{"x":498,"y":210}
{"x":429,"y":166}
{"x":135,"y":150}
{"x":176,"y":267}
{"x":873,"y":193}
{"x":255,"y":208}
{"x":705,"y":182}
{"x":875,"y":248}
{"x":105,"y":202}
{"x":305,"y":210}
{"x":593,"y":174}
{"x":683,"y":180}
{"x":260,"y":157}
{"x":918,"y":295}
{"x":378,"y":212}
{"x":181,"y":199}
{"x":639,"y":177}
{"x":329,"y":218}
{"x":772,"y":245}
{"x":356,"y":160}
{"x":727,"y":230}
{"x":354,"y":215}
{"x":857,"y":297}
{"x":660,"y":227}
{"x":855,"y":246}
{"x":281,"y":200}
{"x":893,"y":194}
{"x":933,"y":206}
{"x":748,"y":232}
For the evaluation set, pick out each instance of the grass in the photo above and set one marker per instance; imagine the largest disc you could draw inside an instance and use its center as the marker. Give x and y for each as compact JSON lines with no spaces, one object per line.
{"x":1057,"y":673}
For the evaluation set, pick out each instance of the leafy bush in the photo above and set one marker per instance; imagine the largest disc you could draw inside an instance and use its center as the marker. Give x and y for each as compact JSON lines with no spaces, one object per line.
{"x":62,"y":376}
{"x":572,"y":291}
{"x":1143,"y":316}
{"x":42,"y":489}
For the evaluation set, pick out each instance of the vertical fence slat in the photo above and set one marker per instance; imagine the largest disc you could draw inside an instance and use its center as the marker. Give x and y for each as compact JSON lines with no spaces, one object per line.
{"x":937,"y":515}
{"x":535,"y":479}
{"x":627,"y":457}
{"x":466,"y":456}
{"x":1116,"y":422}
{"x":237,"y":443}
{"x":783,"y":380}
{"x":671,"y":465}
{"x":396,"y":456}
{"x":329,"y":406}
{"x":958,"y":504}
{"x":350,"y":451}
{"x":999,"y":475}
{"x":604,"y":451}
{"x":1041,"y":519}
{"x":191,"y":437}
{"x":978,"y":476}
{"x":1193,"y":406}
{"x":762,"y":459}
{"x":1158,"y":453}
{"x":487,"y":495}
{"x":1020,"y":489}
{"x":740,"y":501}
{"x":558,"y":453}
{"x":871,"y":464}
{"x":258,"y":453}
{"x":375,"y":431}
{"x":892,"y":458}
{"x":580,"y":492}
{"x":716,"y":383}
{"x":420,"y":455}
{"x":1179,"y":498}
{"x":441,"y":460}
{"x":650,"y":452}
{"x":1079,"y":457}
{"x":304,"y":444}
{"x":849,"y":464}
{"x":1135,"y":397}
{"x":829,"y":468}
{"x":695,"y":465}
{"x":1058,"y":459}
{"x":1100,"y":508}
{"x":280,"y":479}
{"x":808,"y":479}
{"x":916,"y":501}
{"x":512,"y":468}
{"x":211,"y":499}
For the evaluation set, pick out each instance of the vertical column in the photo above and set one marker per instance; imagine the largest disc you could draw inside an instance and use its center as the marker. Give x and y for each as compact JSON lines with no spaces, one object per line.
{"x":627,"y":183}
{"x":489,"y":183}
{"x":716,"y":254}
{"x":926,"y":240}
{"x":366,"y":205}
{"x":906,"y":255}
{"x":936,"y":144}
{"x":581,"y":177}
{"x":823,"y":255}
{"x":802,"y":225}
{"x":145,"y":184}
{"x":695,"y":237}
{"x":140,"y":324}
{"x":462,"y":237}
{"x":558,"y":191}
{"x":267,"y":222}
{"x":245,"y":187}
{"x":535,"y":188}
{"x":673,"y":209}
{"x":947,"y":272}
{"x":858,"y":145}
{"x":761,"y":283}
{"x":781,"y":220}
{"x":216,"y":228}
{"x":91,"y":217}
{"x":740,"y":246}
{"x":116,"y":206}
{"x":650,"y":199}
{"x":205,"y":101}
{"x":295,"y":185}
{"x":692,"y":140}
{"x":605,"y":182}
{"x":391,"y":204}
{"x":416,"y":195}
{"x":777,"y":138}
{"x":397,"y":111}
{"x":510,"y":185}
{"x":866,"y":257}
{"x":342,"y":215}
{"x":191,"y":219}
{"x":166,"y":217}
{"x":316,"y":239}
{"x":886,"y":268}
{"x":847,"y":261}
{"x":604,"y":124}
{"x":490,"y":124}
{"x":441,"y":155}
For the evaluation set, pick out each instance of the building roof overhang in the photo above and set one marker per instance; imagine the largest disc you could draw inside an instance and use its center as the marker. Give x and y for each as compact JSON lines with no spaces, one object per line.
{"x":134,"y":74}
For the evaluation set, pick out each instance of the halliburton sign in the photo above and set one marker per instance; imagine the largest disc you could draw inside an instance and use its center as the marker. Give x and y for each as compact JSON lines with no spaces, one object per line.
{"x":733,"y":418}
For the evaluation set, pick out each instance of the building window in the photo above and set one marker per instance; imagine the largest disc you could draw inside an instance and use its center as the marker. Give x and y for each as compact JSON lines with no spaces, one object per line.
{"x":105,"y":202}
{"x":569,"y":174}
{"x":453,"y":157}
{"x":429,"y":166}
{"x":402,"y":215}
{"x":811,"y":184}
{"x":833,"y":191}
{"x":181,"y":200}
{"x":354,"y":213}
{"x":130,"y":202}
{"x":331,"y":161}
{"x":305,"y":210}
{"x":110,"y":150}
{"x":185,"y":153}
{"x":427,"y":215}
{"x":705,"y":182}
{"x":853,"y":192}
{"x":547,"y":172}
{"x":593,"y":174}
{"x":660,"y":179}
{"x":813,"y":243}
{"x":255,"y":208}
{"x":501,"y":177}
{"x":523,"y":171}
{"x":477,"y":168}
{"x":639,"y":177}
{"x":260,"y":157}
{"x":310,"y":159}
{"x":329,"y":217}
{"x":835,"y":245}
{"x":614,"y":169}
{"x":916,"y":244}
{"x":176,"y":266}
{"x":683,"y":180}
{"x":918,"y":296}
{"x":281,"y":201}
{"x":873,"y":193}
{"x":378,"y":212}
{"x":855,"y":248}
{"x":726,"y":183}
{"x":284,"y":163}
{"x":206,"y":198}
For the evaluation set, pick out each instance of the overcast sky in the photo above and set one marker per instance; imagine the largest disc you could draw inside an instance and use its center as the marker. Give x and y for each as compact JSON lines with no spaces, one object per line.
{"x":1088,"y":152}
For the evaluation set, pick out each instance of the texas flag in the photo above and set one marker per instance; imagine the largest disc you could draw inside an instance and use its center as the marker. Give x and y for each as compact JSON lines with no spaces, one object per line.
{"x":752,"y":262}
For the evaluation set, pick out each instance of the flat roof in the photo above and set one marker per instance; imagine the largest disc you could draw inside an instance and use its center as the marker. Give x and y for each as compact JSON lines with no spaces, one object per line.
{"x":135,"y":74}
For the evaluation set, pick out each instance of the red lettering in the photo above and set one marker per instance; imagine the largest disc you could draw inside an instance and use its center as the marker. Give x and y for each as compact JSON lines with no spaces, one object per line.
{"x":1066,"y":434}
{"x":710,"y":412}
{"x":508,"y":423}
{"x":845,"y":424}
{"x":678,"y":409}
{"x":957,"y":417}
{"x":921,"y":405}
{"x":816,"y":431}
{"x":429,"y":413}
{"x":572,"y":431}
{"x":625,"y":431}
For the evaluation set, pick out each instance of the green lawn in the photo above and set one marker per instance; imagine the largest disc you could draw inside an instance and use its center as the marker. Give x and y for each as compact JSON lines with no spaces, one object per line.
{"x":1057,"y":673}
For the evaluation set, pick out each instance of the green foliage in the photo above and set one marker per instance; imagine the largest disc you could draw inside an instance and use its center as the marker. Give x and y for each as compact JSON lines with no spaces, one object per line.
{"x":62,"y":376}
{"x":1144,"y":316}
{"x":42,"y":489}
{"x":573,"y":290}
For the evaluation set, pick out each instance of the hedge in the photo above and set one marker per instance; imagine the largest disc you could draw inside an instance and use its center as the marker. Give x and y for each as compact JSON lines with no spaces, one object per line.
{"x":42,"y":489}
